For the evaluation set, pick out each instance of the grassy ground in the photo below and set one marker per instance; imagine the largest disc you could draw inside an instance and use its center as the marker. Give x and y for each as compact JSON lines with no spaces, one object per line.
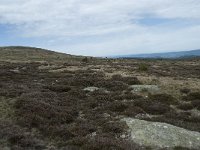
{"x":43,"y":104}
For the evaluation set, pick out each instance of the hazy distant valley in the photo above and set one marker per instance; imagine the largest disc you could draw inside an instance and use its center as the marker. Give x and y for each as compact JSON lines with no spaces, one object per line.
{"x":167,"y":55}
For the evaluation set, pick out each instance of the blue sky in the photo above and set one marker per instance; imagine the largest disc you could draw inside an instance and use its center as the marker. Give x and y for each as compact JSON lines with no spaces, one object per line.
{"x":99,"y":28}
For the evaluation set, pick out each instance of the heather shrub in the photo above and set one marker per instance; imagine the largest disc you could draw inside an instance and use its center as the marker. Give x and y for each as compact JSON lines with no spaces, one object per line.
{"x":114,"y":127}
{"x":185,"y":106}
{"x":18,"y":138}
{"x":143,"y":67}
{"x":127,"y":80}
{"x":127,"y":96}
{"x":157,"y":109}
{"x":192,"y":96}
{"x":152,"y":107}
{"x":118,"y":107}
{"x":45,"y":111}
{"x":85,"y":60}
{"x":196,"y":104}
{"x":82,"y":128}
{"x":112,"y":85}
{"x":185,"y":90}
{"x":163,"y":98}
{"x":132,"y":111}
{"x":58,"y":88}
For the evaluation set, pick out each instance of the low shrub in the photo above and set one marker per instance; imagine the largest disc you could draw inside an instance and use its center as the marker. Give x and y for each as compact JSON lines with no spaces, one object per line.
{"x":181,"y":148}
{"x":155,"y":108}
{"x":185,"y":106}
{"x":82,"y":128}
{"x":78,"y":142}
{"x":118,"y":107}
{"x":127,"y":96}
{"x":11,"y":90}
{"x":192,"y":96}
{"x":127,"y":80}
{"x":45,"y":111}
{"x":185,"y":90}
{"x":132,"y":111}
{"x":143,"y":67}
{"x":18,"y":138}
{"x":104,"y":99}
{"x":85,"y":60}
{"x":114,"y":127}
{"x":131,"y":80}
{"x":196,"y":104}
{"x":58,"y":88}
{"x":163,"y":98}
{"x":83,"y":81}
{"x":60,"y":132}
{"x":77,"y":93}
{"x":117,"y":77}
{"x":112,"y":85}
{"x":92,"y":103}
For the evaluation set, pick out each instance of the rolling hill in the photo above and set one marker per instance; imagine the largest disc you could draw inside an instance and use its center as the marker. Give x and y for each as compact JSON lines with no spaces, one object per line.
{"x":20,"y":53}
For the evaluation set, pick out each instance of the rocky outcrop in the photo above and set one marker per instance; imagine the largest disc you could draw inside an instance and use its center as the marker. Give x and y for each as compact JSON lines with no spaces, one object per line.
{"x":161,"y":135}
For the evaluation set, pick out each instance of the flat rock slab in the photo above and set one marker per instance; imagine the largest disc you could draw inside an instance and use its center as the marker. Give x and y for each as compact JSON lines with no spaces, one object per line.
{"x":149,"y":88}
{"x":161,"y":135}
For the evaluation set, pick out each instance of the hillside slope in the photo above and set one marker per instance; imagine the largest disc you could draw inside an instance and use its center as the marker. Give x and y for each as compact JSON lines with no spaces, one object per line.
{"x":19,"y":53}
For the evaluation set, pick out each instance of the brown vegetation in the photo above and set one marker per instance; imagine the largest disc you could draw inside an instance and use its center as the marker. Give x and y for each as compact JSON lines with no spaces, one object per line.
{"x":46,"y":109}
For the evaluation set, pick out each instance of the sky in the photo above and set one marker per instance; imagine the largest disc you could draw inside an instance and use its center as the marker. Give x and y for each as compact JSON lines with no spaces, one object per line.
{"x":101,"y":27}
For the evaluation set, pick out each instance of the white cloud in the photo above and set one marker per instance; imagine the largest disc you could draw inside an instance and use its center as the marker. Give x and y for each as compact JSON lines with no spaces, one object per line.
{"x":111,"y":26}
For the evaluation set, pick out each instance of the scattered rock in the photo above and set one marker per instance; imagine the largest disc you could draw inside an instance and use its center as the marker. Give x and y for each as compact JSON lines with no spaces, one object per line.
{"x":15,"y":70}
{"x":161,"y":135}
{"x":149,"y":88}
{"x":142,"y":116}
{"x":91,"y":89}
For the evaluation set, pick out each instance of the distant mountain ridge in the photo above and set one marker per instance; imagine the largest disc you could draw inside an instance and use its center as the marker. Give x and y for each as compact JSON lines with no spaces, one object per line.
{"x":181,"y":54}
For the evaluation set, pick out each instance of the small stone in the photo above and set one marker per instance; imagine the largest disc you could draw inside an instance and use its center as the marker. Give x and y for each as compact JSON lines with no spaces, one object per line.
{"x":123,"y":136}
{"x":106,"y":115}
{"x":93,"y":134}
{"x":15,"y":70}
{"x":91,"y":89}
